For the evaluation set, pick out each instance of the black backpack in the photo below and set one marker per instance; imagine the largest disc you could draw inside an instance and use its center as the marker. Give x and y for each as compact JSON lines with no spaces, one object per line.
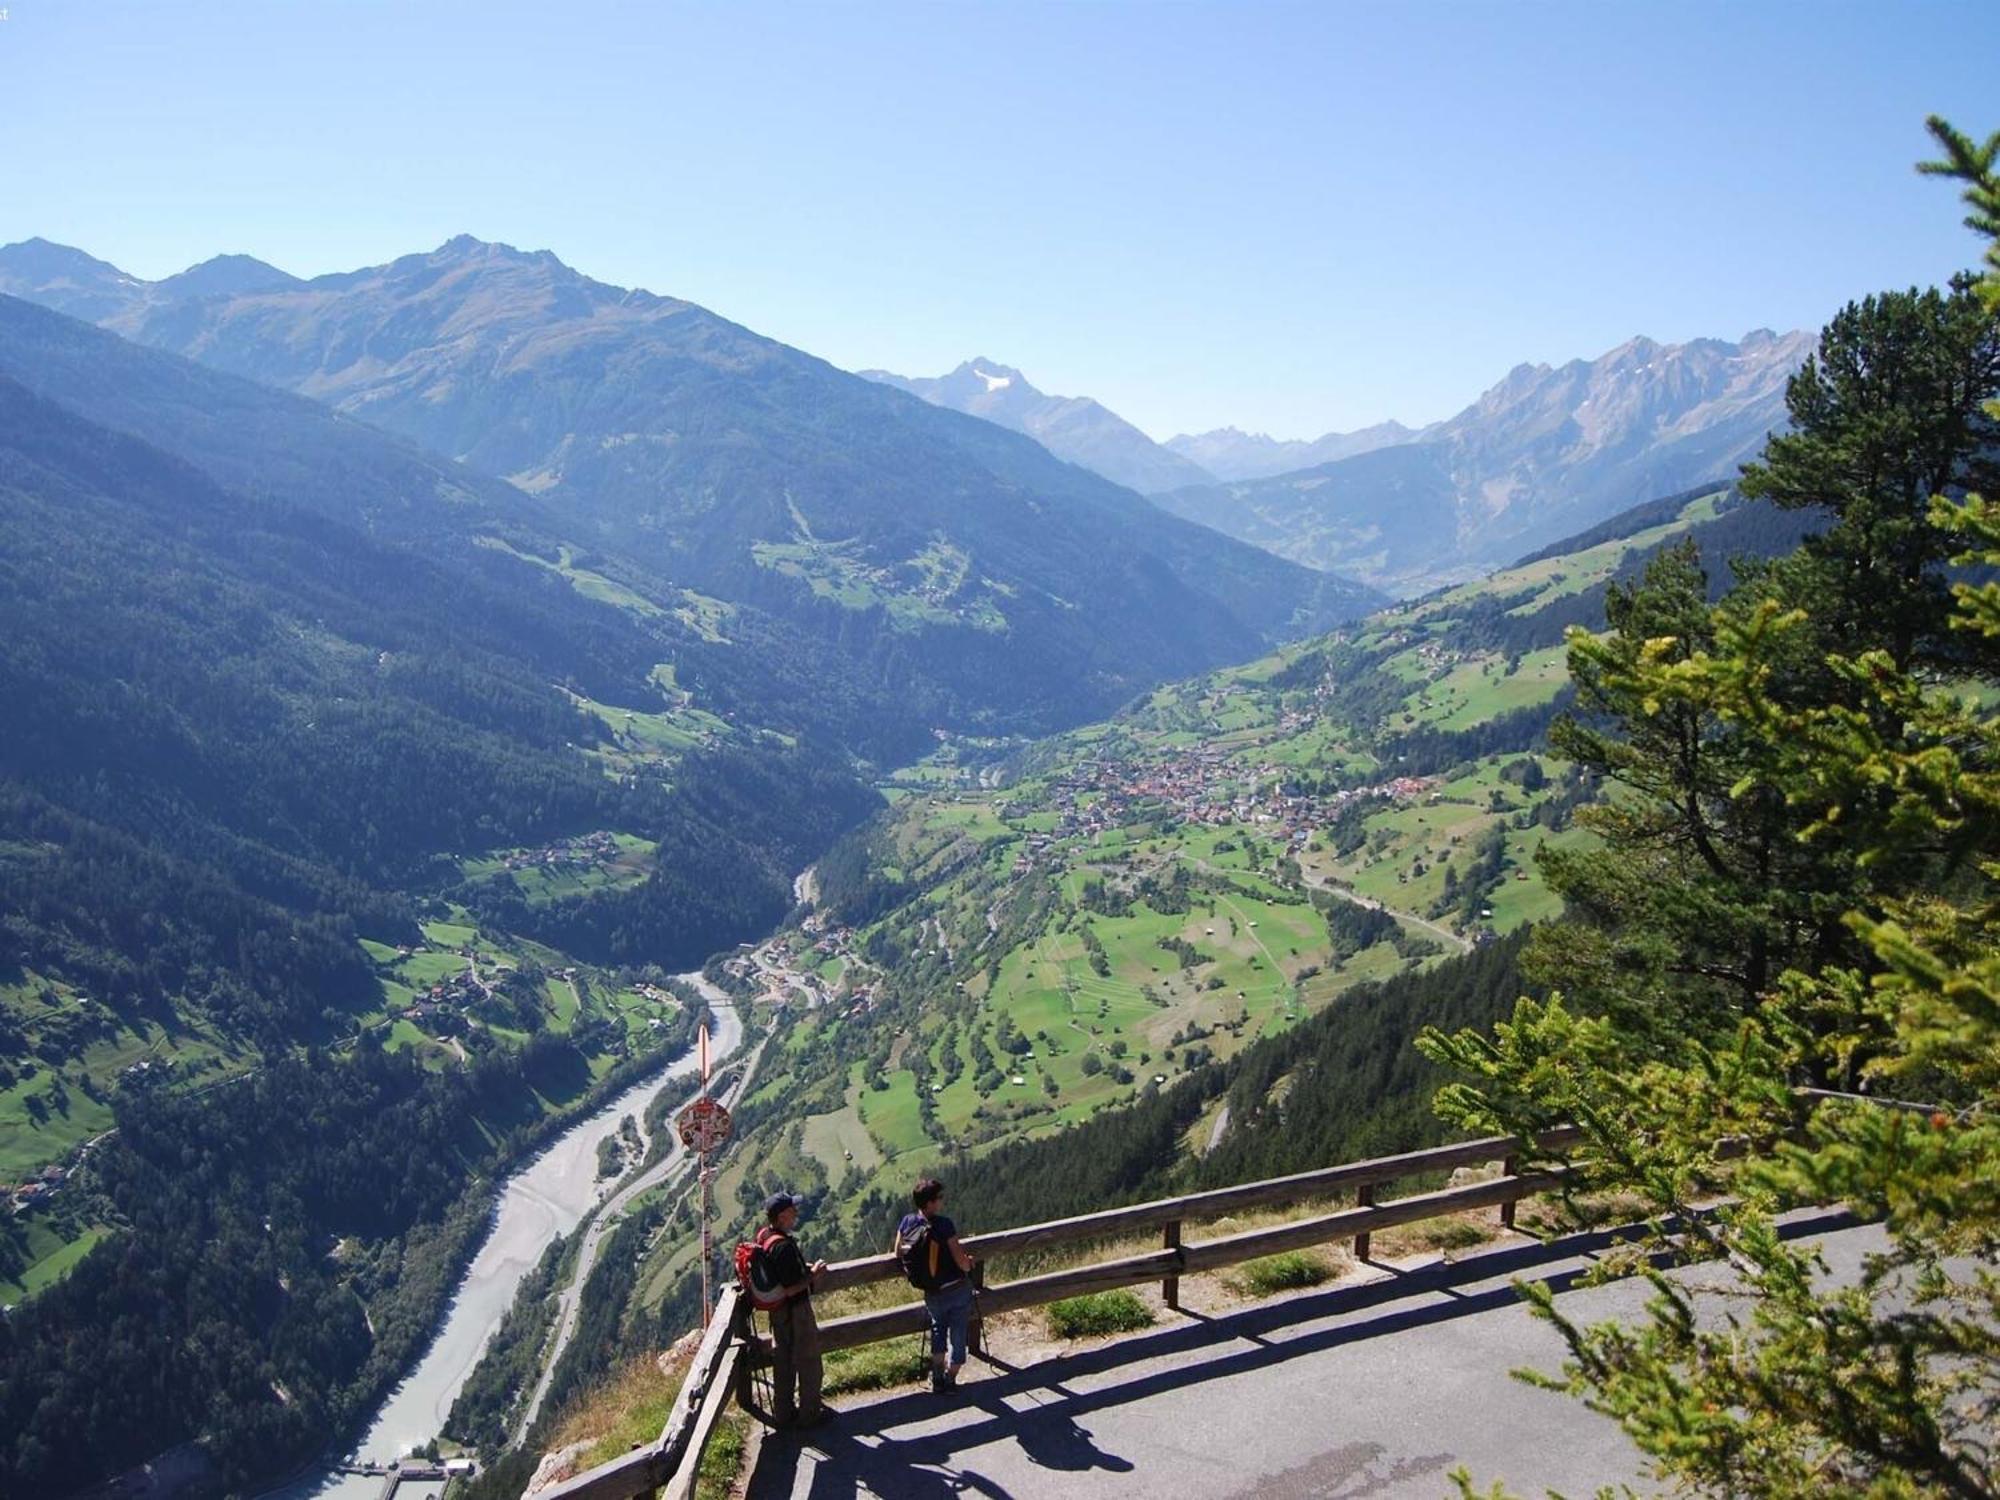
{"x":921,"y":1256}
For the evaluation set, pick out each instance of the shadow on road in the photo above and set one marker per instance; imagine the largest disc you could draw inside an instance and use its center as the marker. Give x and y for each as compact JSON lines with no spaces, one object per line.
{"x":1036,"y":1407}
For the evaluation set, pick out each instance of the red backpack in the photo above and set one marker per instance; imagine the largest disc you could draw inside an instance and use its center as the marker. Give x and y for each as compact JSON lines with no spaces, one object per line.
{"x":754,"y":1271}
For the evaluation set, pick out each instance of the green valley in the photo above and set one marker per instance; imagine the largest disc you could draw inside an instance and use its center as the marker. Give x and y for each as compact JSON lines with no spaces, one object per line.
{"x":1036,"y":932}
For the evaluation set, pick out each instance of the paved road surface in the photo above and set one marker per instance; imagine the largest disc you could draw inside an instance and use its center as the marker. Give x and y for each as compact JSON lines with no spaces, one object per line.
{"x":1379,"y":1391}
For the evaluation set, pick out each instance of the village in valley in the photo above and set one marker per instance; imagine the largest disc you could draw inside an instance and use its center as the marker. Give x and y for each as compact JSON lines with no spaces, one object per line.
{"x":1204,"y":787}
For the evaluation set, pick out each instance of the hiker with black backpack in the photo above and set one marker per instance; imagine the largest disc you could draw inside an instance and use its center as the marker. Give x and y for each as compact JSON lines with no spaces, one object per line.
{"x":936,"y":1264}
{"x":774,"y":1273}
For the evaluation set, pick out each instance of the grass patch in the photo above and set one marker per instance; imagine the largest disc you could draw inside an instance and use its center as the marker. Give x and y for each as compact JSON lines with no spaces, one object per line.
{"x":721,"y":1460}
{"x":50,"y":1258}
{"x":1288,"y":1272}
{"x":1452,"y":1234}
{"x":1098,"y":1312}
{"x":874,"y":1367}
{"x":628,"y":1407}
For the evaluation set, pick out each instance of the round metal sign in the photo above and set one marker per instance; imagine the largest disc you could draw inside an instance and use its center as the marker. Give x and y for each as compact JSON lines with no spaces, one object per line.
{"x":703,"y":1125}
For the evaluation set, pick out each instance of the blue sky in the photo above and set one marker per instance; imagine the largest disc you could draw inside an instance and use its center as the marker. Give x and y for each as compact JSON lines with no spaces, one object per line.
{"x":1288,"y":218}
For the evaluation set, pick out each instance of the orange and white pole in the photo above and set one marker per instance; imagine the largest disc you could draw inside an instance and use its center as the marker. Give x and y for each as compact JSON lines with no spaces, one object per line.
{"x":707,"y":1251}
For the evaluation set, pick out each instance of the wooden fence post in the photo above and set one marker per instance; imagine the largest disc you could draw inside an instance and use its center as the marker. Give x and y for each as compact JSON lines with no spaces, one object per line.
{"x":1364,"y":1197}
{"x":1170,"y":1287}
{"x":974,"y":1339}
{"x":1511,"y":1167}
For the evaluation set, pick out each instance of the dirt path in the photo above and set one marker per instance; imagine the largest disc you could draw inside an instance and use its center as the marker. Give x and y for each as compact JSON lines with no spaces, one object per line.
{"x":1445,"y":934}
{"x":1219,"y":1129}
{"x":1367,"y":903}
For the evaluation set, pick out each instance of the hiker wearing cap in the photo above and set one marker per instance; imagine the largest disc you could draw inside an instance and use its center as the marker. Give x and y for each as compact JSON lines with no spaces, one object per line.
{"x":936,"y":1264}
{"x":796,"y":1370}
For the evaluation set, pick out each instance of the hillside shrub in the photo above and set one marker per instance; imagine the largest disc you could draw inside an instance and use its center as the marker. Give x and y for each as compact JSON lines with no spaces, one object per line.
{"x":1098,"y":1312}
{"x":874,"y":1367}
{"x":1286,"y":1272}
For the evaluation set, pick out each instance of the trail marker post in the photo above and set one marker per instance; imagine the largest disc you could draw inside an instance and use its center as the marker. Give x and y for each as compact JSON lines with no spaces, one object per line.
{"x":703,"y":1126}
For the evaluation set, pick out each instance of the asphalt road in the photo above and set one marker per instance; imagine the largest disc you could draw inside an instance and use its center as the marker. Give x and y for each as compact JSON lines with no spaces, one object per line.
{"x":1379,"y":1390}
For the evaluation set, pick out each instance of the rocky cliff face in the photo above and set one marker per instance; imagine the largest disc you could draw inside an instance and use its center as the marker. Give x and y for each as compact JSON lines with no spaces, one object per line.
{"x":1546,"y":452}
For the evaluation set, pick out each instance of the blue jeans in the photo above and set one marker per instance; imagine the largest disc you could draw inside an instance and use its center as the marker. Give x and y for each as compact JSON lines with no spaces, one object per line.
{"x":951,"y":1316}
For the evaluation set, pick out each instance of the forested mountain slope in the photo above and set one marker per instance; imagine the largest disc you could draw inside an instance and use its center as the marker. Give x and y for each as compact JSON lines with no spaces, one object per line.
{"x":997,"y":585}
{"x":343,"y":836}
{"x":315,"y":693}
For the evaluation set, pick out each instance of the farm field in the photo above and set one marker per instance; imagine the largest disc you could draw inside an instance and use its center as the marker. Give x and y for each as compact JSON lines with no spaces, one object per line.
{"x":49,"y":1107}
{"x":50,"y":1257}
{"x":1048,"y":930}
{"x":608,"y":860}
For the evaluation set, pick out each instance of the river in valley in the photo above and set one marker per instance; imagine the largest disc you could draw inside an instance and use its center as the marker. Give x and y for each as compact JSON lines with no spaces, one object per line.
{"x":544,"y":1199}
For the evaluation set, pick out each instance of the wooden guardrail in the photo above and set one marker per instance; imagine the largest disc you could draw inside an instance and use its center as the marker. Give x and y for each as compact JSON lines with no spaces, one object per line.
{"x":1178,"y":1256}
{"x":671,"y":1462}
{"x":730,"y":1348}
{"x":727,"y":1349}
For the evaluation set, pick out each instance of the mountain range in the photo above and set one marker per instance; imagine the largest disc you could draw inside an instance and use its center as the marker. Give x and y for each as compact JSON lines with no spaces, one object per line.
{"x":327,"y":609}
{"x":754,"y":473}
{"x":1230,"y":454}
{"x":1546,"y":452}
{"x":1073,"y":428}
{"x":960,"y":572}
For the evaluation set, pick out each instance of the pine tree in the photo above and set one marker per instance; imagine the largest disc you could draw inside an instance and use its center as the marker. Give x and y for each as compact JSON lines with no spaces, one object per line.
{"x":1889,"y":412}
{"x":1888,"y":1388}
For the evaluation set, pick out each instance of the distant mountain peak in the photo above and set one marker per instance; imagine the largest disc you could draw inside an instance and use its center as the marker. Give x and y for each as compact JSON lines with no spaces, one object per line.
{"x":1233,"y":454}
{"x":1074,"y":428}
{"x":224,"y":276}
{"x":67,"y":279}
{"x":83,"y":286}
{"x":38,"y":253}
{"x":469,"y":248}
{"x":998,"y":377}
{"x":1543,"y":453}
